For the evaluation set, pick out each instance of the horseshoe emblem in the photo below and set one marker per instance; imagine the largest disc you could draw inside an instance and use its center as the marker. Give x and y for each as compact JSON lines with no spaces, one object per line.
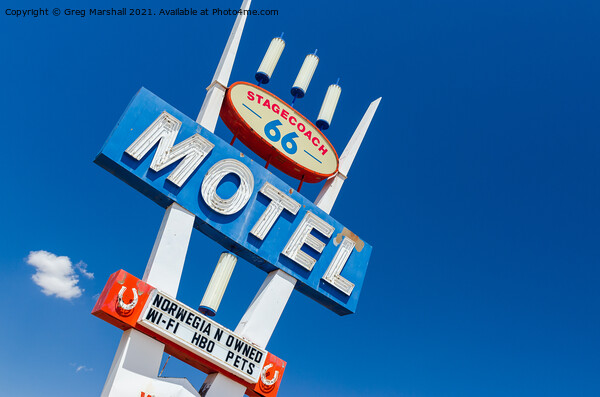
{"x":263,"y":376}
{"x":122,"y":305}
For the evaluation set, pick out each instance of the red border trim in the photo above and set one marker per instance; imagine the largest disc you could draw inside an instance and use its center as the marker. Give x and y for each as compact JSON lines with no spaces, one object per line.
{"x":255,"y":142}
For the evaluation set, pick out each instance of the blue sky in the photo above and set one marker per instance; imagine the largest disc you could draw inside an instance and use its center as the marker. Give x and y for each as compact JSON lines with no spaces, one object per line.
{"x":477,"y":186}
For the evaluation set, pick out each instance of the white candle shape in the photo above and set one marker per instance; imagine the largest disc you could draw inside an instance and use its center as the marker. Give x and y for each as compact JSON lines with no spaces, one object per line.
{"x":217,"y":285}
{"x":267,"y":66}
{"x":305,"y":75}
{"x":328,"y":107}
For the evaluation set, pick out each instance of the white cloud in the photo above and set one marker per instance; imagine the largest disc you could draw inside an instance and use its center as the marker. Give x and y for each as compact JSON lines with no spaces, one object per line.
{"x":79,"y":367}
{"x":55,"y":274}
{"x":82,"y":267}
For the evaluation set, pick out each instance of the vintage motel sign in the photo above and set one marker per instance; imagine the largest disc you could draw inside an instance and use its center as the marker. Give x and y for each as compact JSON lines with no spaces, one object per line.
{"x":278,"y":133}
{"x":207,"y":184}
{"x":237,"y":202}
{"x":128,"y":302}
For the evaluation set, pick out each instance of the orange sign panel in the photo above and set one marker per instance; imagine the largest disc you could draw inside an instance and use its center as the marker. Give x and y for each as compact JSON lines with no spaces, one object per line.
{"x":128,"y":302}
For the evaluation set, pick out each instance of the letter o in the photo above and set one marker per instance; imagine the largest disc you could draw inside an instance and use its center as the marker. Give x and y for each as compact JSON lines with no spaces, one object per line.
{"x":210,"y":347}
{"x":214,"y":176}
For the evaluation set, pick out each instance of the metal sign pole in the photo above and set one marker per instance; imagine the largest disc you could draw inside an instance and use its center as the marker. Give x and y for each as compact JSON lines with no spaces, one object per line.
{"x":209,"y":113}
{"x":259,"y":321}
{"x":138,"y":354}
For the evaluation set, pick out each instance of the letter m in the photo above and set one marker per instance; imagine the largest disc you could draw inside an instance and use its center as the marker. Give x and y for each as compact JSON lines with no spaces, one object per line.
{"x":164,"y":131}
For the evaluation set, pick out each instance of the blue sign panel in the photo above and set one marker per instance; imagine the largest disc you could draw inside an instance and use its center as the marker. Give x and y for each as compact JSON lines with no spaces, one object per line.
{"x":237,"y":202}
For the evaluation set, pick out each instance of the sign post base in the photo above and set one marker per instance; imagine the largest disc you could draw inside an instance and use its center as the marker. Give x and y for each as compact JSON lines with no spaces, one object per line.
{"x":134,"y":369}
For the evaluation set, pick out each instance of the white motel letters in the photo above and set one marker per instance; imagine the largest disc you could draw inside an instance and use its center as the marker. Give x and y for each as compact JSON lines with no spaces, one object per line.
{"x":195,"y":149}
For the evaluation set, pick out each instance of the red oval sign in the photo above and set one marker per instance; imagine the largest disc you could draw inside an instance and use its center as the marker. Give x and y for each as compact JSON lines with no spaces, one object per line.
{"x":278,"y":133}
